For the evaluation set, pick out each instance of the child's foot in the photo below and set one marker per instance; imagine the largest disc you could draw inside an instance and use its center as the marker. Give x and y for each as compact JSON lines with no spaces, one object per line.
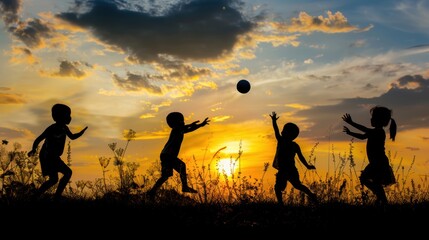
{"x":189,"y":190}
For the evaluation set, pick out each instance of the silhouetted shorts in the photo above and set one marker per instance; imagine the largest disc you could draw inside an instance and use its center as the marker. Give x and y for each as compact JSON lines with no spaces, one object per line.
{"x":283,"y":176}
{"x":170,"y":163}
{"x":51,"y":164}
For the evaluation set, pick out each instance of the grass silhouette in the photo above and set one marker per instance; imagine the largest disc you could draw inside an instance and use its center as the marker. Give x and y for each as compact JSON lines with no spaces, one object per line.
{"x":222,"y":202}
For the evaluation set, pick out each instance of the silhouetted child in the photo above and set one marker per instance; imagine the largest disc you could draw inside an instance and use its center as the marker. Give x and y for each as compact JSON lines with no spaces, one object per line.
{"x":378,"y":173}
{"x":169,"y":154}
{"x":52,"y":149}
{"x":284,"y":160}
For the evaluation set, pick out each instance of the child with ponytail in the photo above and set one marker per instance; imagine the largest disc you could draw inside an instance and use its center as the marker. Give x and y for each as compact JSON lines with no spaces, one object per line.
{"x":378,"y":173}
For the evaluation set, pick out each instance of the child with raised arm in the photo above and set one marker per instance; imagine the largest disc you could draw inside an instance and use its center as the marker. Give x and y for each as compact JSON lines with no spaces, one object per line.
{"x":52,"y":149}
{"x":169,"y":154}
{"x":378,"y":173}
{"x":284,"y":160}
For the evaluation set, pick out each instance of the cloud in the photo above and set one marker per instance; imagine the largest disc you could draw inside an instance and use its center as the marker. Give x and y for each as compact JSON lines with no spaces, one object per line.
{"x":135,"y":82}
{"x":7,"y":98}
{"x":69,"y":69}
{"x":308,"y":61}
{"x":305,"y":23}
{"x":407,"y":97}
{"x":32,"y":32}
{"x":189,"y":30}
{"x":413,"y":148}
{"x":220,"y":118}
{"x":9,"y":9}
{"x":180,"y":42}
{"x":147,"y":115}
{"x":408,"y":17}
{"x":23,"y":55}
{"x":15,"y":133}
{"x":358,"y":43}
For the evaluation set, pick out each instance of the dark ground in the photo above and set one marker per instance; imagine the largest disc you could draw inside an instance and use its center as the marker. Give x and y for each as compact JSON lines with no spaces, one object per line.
{"x":99,"y":218}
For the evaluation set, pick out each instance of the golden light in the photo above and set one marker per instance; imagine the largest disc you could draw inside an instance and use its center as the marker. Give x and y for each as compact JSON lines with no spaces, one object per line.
{"x":227,"y":166}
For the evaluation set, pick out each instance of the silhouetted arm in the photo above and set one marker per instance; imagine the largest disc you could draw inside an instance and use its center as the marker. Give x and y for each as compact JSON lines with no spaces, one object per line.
{"x":353,"y":134}
{"x":302,"y":158}
{"x":194,"y":126}
{"x":74,"y":136}
{"x":275,"y":126}
{"x":37,"y":142}
{"x":348,"y":119}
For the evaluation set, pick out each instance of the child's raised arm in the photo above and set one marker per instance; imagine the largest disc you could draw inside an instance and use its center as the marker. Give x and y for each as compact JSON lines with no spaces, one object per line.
{"x":275,"y":126}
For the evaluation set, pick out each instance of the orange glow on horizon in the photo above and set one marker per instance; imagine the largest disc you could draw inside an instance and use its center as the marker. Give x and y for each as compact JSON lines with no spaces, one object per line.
{"x":227,"y":166}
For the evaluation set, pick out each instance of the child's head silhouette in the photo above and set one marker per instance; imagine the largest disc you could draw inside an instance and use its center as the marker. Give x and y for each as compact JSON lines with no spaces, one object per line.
{"x":175,"y":119}
{"x":61,"y":113}
{"x":381,"y":116}
{"x":290,"y":131}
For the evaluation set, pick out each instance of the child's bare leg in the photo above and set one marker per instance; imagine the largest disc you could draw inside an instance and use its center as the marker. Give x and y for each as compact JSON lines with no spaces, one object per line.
{"x":377,"y":189}
{"x":63,"y":182}
{"x":279,"y":195}
{"x":184,"y":179}
{"x":380,"y":193}
{"x":280,"y":186}
{"x":306,"y":190}
{"x":309,"y":193}
{"x":52,"y":180}
{"x":156,"y":186}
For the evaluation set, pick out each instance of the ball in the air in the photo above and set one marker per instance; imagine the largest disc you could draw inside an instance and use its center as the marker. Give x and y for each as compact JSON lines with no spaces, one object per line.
{"x":243,"y":86}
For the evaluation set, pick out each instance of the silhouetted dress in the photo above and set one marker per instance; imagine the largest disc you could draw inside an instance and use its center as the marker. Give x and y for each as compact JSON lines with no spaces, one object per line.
{"x":378,"y":170}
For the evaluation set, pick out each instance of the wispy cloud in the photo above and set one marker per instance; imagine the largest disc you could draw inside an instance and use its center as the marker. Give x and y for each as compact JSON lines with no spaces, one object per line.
{"x":7,"y":98}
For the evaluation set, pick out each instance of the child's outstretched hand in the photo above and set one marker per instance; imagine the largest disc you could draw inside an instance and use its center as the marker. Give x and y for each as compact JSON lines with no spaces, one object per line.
{"x":346,"y":130}
{"x":347,"y":118}
{"x":82,"y":131}
{"x":205,"y":122}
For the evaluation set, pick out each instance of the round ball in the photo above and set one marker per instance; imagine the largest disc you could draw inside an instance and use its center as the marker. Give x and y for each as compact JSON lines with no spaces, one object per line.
{"x":243,"y":86}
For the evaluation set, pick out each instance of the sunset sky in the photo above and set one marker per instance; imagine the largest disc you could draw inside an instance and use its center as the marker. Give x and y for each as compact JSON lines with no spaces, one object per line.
{"x":126,"y":64}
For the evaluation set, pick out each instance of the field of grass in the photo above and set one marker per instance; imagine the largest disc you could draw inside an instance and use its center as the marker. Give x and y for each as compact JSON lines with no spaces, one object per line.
{"x":232,"y":205}
{"x":134,"y":216}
